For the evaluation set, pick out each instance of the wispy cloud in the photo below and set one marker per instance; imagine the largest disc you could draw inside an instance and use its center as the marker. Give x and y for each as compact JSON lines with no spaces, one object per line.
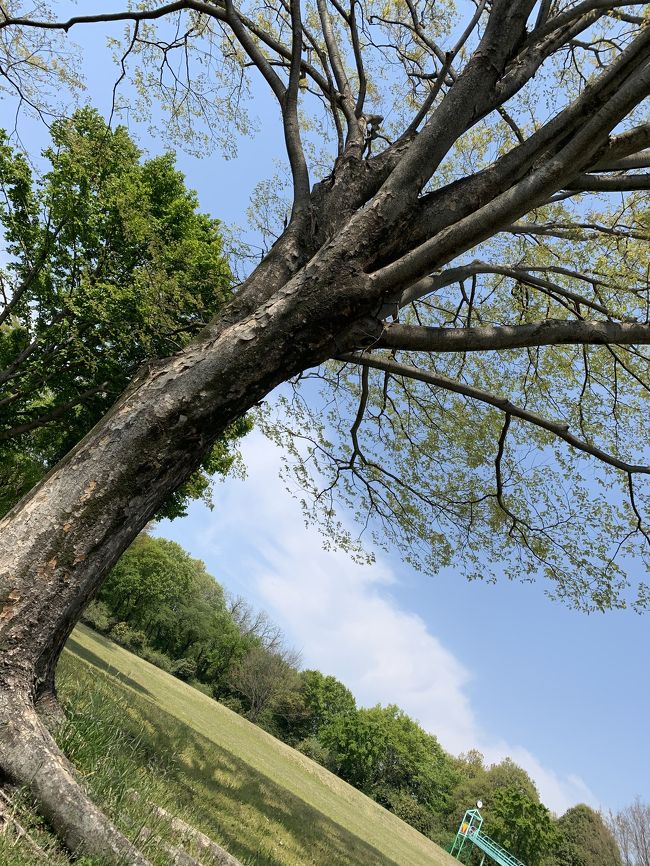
{"x":347,"y":621}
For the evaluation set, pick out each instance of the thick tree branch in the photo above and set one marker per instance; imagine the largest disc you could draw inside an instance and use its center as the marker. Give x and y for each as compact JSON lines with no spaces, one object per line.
{"x":618,"y":183}
{"x":471,"y":98}
{"x":446,"y":68}
{"x":350,"y":19}
{"x":354,"y":136}
{"x":623,"y":145}
{"x":535,"y":187}
{"x":249,"y":45}
{"x":299,"y":171}
{"x":550,"y":332}
{"x":639,"y":160}
{"x":580,"y":10}
{"x":448,"y":205}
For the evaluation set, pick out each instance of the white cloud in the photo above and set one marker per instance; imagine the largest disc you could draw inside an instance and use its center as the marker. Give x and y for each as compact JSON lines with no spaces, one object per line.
{"x":344,"y":618}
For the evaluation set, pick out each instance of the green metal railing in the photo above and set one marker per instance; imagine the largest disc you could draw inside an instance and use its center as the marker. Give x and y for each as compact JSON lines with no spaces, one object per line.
{"x":494,"y":850}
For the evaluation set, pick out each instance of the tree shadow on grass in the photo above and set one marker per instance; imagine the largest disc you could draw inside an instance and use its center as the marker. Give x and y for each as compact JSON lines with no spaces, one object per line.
{"x":92,"y":658}
{"x":253,"y":817}
{"x":238,"y":806}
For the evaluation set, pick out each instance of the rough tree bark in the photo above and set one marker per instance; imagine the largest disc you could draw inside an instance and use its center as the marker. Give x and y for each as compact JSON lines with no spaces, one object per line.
{"x":358,"y":246}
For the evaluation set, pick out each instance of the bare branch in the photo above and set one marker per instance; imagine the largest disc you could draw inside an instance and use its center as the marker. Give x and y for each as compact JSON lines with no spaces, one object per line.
{"x":521,"y":274}
{"x":571,"y":231}
{"x":558,"y":428}
{"x":354,"y":430}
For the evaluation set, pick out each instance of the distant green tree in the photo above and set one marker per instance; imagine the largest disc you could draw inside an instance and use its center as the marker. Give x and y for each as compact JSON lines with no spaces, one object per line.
{"x":325,"y":697}
{"x":220,"y":647}
{"x":109,"y":265}
{"x":507,"y":774}
{"x":476,"y":781}
{"x":322,"y":699}
{"x":383,"y":752}
{"x":521,"y":825}
{"x":153,"y":576}
{"x":584,"y":839}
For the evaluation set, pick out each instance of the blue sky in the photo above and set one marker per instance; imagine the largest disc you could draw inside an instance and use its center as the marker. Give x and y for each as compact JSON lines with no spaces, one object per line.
{"x":500,"y":667}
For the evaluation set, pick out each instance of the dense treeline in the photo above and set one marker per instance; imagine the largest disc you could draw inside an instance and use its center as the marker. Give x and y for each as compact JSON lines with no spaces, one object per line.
{"x":163,"y":605}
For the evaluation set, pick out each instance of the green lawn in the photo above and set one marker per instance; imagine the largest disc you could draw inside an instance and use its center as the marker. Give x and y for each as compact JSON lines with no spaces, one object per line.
{"x":263,"y":801}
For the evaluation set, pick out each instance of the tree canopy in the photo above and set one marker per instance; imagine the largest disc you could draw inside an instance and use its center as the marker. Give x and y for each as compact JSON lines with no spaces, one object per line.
{"x":461,"y":261}
{"x":521,"y":825}
{"x":584,"y":839}
{"x":109,"y":265}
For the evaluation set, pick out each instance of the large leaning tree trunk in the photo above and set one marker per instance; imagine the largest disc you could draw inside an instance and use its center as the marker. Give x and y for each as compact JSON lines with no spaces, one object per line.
{"x":370,"y":239}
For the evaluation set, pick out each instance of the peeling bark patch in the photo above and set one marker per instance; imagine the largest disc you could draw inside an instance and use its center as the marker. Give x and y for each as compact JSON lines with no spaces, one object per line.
{"x":7,"y":611}
{"x":88,"y":492}
{"x":48,"y":568}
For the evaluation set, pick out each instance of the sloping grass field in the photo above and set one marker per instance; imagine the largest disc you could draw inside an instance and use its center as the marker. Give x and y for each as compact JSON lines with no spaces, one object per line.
{"x":266,"y":803}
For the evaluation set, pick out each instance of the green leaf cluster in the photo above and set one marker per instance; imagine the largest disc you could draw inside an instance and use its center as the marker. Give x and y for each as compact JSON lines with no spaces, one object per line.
{"x":109,"y":264}
{"x":583,"y":839}
{"x":521,"y":825}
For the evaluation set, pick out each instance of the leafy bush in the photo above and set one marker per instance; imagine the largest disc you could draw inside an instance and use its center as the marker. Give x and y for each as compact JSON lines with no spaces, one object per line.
{"x":128,"y":637}
{"x":233,"y":703}
{"x":160,"y":660}
{"x":314,"y":749}
{"x":406,"y":807}
{"x":184,"y":669}
{"x":201,"y":687}
{"x":98,"y":616}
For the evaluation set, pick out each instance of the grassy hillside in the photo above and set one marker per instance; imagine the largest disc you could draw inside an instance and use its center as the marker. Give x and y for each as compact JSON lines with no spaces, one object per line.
{"x":263,"y":801}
